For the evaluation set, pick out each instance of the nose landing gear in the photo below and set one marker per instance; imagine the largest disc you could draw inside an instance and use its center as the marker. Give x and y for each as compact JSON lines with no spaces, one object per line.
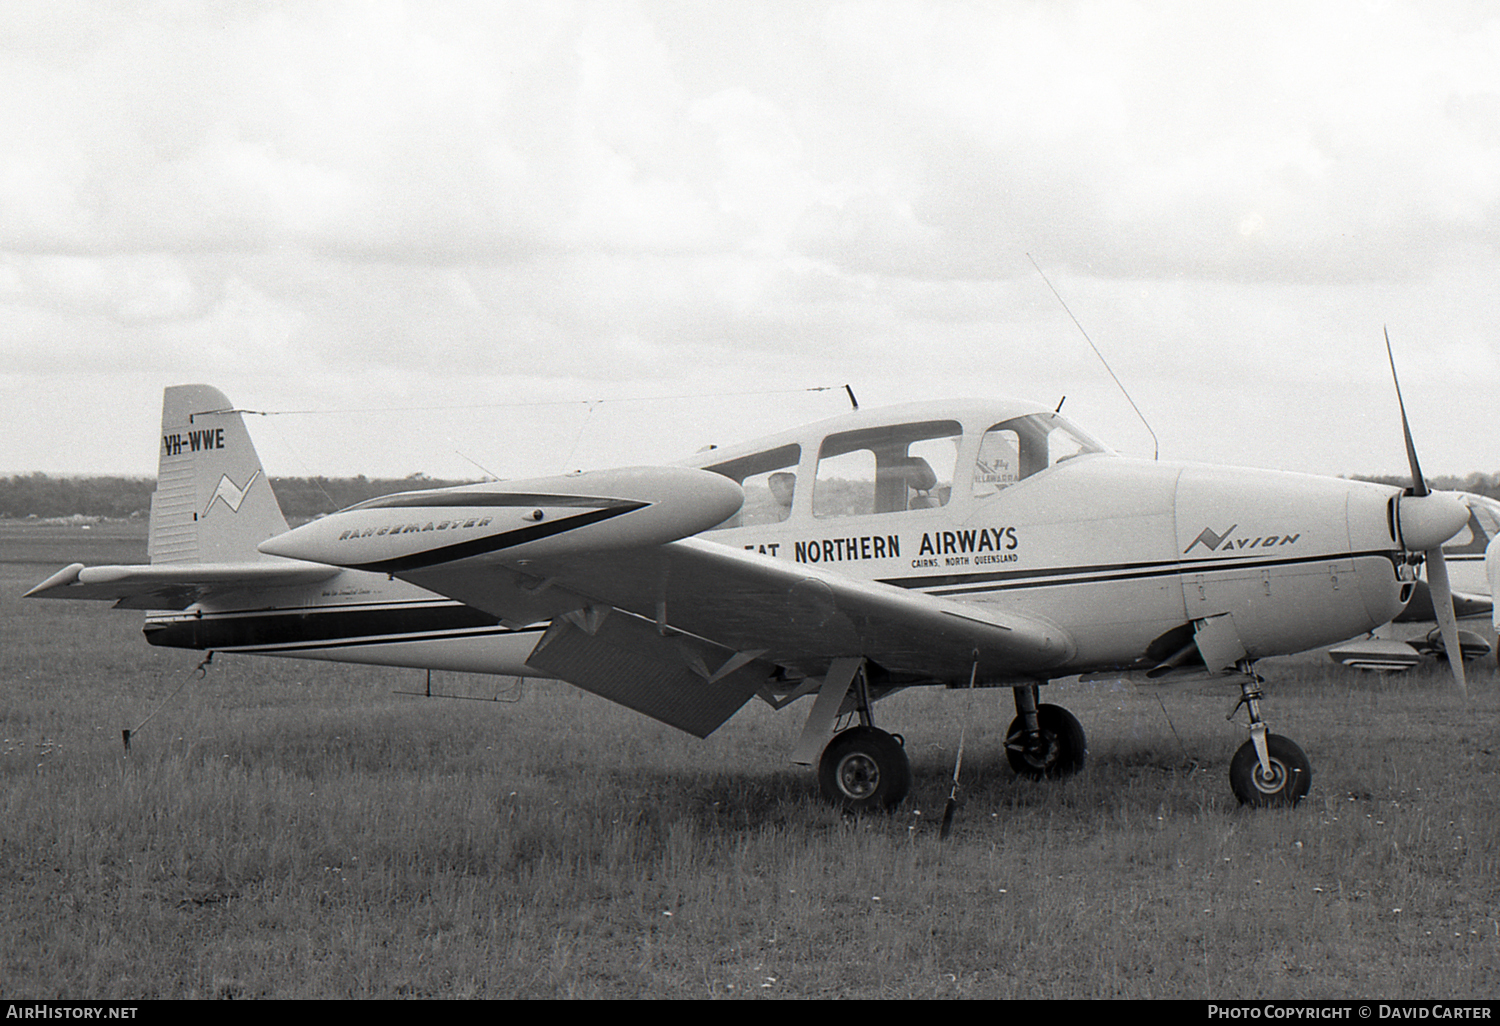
{"x":1282,"y":780}
{"x":1268,"y":770}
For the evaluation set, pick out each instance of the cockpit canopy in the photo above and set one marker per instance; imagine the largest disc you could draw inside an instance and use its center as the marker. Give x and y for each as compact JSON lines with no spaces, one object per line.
{"x":894,"y":460}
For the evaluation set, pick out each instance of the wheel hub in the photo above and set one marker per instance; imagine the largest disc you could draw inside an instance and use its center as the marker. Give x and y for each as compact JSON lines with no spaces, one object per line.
{"x":858,"y":775}
{"x":1269,"y":783}
{"x":1040,"y":752}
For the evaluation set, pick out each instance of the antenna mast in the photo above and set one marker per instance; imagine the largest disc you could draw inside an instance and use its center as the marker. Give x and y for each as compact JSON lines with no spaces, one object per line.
{"x":1155,"y":445}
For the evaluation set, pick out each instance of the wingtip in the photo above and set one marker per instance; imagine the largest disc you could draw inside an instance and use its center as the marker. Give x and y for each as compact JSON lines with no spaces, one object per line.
{"x":64,"y":577}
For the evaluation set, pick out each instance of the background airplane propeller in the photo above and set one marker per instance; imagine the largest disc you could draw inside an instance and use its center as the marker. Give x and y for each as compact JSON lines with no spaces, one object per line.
{"x":1492,"y":573}
{"x":1426,"y":519}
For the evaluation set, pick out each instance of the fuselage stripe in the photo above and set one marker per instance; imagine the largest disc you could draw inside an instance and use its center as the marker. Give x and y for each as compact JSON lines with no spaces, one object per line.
{"x":359,"y":624}
{"x":316,"y":627}
{"x":958,"y":584}
{"x":392,"y":639}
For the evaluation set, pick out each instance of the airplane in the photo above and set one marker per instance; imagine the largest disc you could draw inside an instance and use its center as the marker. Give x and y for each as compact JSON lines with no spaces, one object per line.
{"x":1414,"y":633}
{"x":979,"y":543}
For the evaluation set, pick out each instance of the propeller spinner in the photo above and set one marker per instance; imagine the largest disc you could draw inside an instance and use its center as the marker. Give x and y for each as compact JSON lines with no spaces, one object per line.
{"x":1425,"y":520}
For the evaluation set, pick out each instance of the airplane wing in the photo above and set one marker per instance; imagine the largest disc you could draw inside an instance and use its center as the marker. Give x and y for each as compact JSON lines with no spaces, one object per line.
{"x":173,"y":585}
{"x":645,"y":613}
{"x":792,"y":615}
{"x":689,"y":631}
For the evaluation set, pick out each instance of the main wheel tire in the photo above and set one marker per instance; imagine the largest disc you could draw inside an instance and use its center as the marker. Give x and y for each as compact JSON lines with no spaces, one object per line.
{"x":1287,"y":783}
{"x":1063,"y":746}
{"x":864,"y":768}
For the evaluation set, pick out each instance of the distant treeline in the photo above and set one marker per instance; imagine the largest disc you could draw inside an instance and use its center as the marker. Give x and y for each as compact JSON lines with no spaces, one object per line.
{"x":42,"y":495}
{"x":1480,"y":484}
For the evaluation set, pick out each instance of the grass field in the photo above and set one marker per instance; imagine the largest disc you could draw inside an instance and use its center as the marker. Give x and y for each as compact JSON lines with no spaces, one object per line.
{"x":294,"y":829}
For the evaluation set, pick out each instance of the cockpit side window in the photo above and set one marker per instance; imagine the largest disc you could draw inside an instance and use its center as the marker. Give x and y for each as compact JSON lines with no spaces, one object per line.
{"x":1022,"y":446}
{"x":886,"y":469}
{"x":770,"y":483}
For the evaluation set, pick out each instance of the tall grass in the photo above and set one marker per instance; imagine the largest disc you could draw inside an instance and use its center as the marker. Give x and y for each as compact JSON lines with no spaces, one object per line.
{"x":295,"y":829}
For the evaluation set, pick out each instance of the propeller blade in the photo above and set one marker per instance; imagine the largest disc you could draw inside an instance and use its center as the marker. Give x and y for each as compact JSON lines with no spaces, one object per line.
{"x":1492,"y":573}
{"x":1418,"y":482}
{"x":1442,"y":604}
{"x":1433,"y":516}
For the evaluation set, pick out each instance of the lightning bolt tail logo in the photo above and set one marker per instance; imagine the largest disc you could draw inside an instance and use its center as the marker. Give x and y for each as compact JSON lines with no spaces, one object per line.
{"x":232,"y":494}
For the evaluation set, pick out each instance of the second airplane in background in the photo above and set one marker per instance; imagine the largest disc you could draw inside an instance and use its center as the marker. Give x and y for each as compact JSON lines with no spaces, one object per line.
{"x":1414,"y":634}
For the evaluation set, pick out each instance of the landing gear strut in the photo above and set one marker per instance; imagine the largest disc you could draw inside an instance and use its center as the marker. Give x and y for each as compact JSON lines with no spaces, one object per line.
{"x":1269,"y":769}
{"x":1044,"y":741}
{"x":864,"y":768}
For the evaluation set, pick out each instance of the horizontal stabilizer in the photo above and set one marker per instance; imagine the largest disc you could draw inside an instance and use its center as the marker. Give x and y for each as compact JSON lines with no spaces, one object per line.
{"x":173,"y":586}
{"x":1382,"y":654}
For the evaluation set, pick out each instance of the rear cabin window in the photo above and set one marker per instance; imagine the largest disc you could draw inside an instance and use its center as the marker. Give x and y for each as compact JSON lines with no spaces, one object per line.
{"x":770,"y":483}
{"x":886,"y":469}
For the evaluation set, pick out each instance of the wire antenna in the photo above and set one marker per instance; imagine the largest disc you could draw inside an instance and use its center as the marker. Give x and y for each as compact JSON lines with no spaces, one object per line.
{"x":591,"y":403}
{"x":1155,"y":445}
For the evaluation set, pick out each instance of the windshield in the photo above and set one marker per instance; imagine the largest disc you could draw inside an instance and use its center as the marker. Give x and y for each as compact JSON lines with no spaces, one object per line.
{"x":1022,"y":446}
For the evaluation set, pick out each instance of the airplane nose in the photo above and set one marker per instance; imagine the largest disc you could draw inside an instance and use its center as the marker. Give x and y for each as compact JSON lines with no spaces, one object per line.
{"x":1426,"y":521}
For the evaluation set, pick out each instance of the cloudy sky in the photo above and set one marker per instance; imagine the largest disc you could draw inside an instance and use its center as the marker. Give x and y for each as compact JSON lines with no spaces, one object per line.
{"x":430,"y":236}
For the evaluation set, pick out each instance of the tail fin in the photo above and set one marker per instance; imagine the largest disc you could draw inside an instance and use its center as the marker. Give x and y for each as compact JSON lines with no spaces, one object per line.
{"x":213,"y":503}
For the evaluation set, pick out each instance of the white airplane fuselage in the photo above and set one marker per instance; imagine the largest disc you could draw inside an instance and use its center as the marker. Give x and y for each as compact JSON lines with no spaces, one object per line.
{"x":1122,"y":554}
{"x":1118,"y":551}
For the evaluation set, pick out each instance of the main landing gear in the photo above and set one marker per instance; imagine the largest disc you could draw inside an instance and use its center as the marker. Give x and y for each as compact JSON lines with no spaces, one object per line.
{"x":865,"y":768}
{"x":1268,"y":770}
{"x":862,"y":768}
{"x":1044,"y":742}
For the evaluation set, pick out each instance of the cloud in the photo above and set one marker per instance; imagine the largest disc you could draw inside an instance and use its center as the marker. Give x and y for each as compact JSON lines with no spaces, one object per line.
{"x":556,"y":198}
{"x":1129,"y":136}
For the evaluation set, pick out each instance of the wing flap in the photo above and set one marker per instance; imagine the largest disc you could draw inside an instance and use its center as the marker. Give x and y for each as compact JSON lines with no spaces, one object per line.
{"x":667,"y":677}
{"x":174,"y":585}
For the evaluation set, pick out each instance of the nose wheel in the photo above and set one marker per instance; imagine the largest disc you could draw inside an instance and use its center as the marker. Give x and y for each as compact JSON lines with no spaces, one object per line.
{"x":1268,"y":770}
{"x":1283,"y":780}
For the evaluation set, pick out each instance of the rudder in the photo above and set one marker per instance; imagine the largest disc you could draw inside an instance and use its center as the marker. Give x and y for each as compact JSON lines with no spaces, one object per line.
{"x":213,"y":502}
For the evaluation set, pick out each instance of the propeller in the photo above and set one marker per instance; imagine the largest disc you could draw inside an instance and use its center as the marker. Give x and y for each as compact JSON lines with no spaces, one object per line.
{"x":1426,"y":519}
